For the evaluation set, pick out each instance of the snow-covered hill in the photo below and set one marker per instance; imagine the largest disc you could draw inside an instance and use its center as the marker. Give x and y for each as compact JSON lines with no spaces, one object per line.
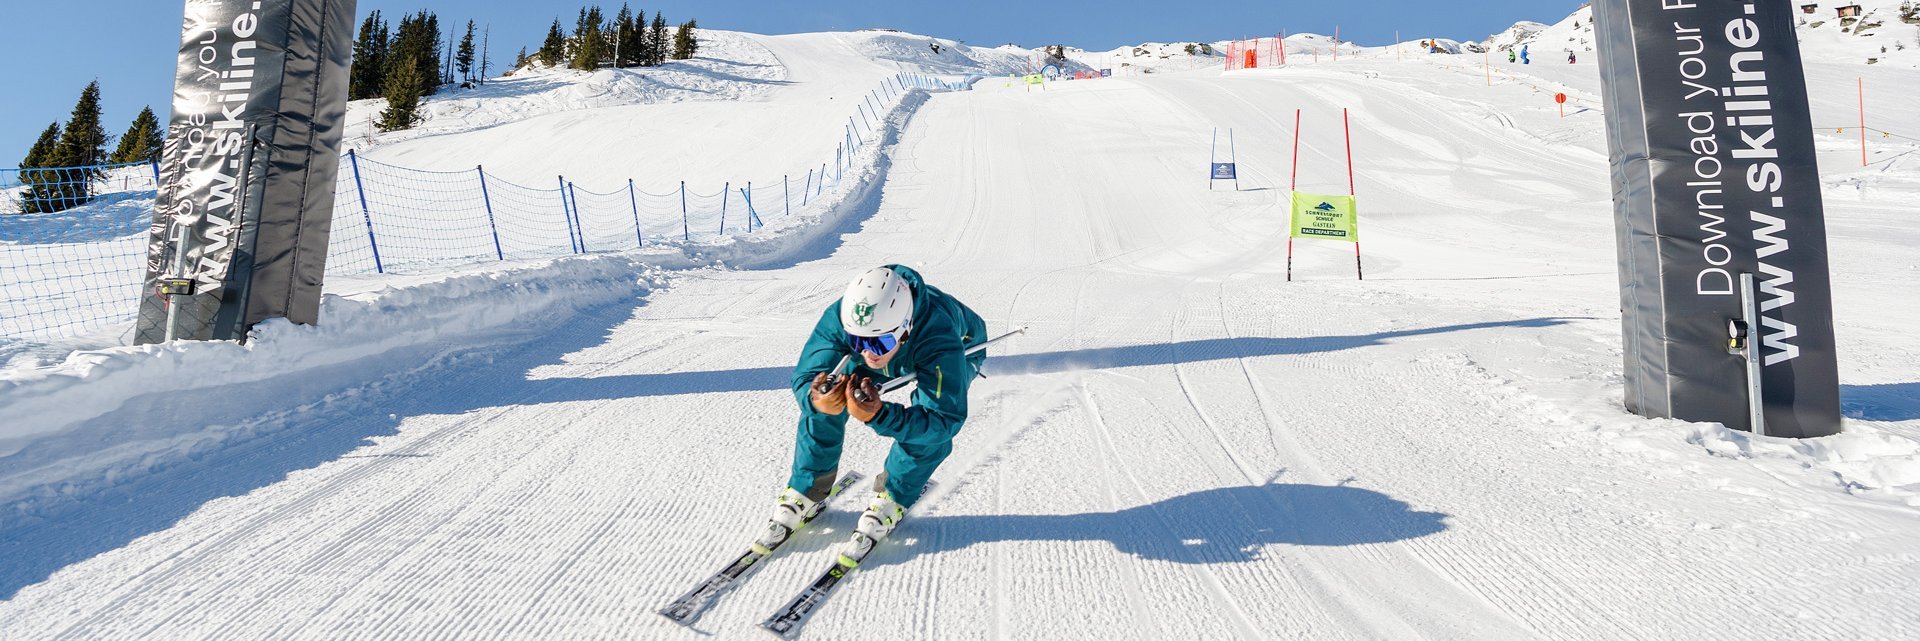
{"x":1185,"y":444}
{"x":1886,"y":32}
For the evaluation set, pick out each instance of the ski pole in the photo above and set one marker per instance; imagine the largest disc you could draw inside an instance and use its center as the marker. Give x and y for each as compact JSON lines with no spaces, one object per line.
{"x":902,"y":381}
{"x":833,"y":376}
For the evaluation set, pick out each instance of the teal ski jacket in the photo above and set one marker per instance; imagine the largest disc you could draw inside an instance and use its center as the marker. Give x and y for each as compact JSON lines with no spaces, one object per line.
{"x":935,"y":351}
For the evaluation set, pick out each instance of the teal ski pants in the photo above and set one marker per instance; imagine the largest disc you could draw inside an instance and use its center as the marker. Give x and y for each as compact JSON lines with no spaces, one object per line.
{"x":816,"y":457}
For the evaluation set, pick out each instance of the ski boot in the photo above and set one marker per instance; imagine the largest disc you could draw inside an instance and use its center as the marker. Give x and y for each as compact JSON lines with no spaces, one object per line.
{"x":791,"y":510}
{"x":875,"y":524}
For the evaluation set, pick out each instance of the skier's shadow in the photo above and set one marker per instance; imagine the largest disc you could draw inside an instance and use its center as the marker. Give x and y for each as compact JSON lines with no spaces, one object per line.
{"x":1217,"y":526}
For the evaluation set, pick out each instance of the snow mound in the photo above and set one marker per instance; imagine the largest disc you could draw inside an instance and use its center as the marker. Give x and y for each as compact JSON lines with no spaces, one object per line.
{"x":731,"y":66}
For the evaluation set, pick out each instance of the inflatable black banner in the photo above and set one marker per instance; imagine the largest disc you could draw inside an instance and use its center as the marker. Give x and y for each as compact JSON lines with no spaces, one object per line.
{"x":247,"y":176}
{"x":1714,"y":176}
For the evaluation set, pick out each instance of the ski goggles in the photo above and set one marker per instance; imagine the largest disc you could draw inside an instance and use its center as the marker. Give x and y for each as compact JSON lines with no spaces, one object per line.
{"x":876,"y":345}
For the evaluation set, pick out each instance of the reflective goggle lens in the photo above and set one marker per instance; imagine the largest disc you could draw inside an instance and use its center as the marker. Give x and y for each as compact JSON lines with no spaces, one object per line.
{"x":876,"y":345}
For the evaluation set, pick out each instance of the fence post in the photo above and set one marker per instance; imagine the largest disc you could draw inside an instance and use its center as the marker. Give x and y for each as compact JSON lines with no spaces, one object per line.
{"x":639,"y":239}
{"x":823,"y":180}
{"x":805,"y":190}
{"x":566,"y":212}
{"x":156,"y":177}
{"x":488,"y":199}
{"x":578,"y":222}
{"x":724,"y":188}
{"x":786,"y":193}
{"x":746,"y":194}
{"x":686,"y":233}
{"x":354,"y":160}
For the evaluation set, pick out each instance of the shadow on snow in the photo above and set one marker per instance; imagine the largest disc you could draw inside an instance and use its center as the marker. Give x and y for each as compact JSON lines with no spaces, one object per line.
{"x":778,"y":378}
{"x":1886,"y":402}
{"x":1217,"y":526}
{"x":481,"y":374}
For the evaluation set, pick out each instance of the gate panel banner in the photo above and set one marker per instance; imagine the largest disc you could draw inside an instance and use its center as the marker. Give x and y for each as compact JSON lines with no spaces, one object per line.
{"x":1714,"y":175}
{"x":1325,"y":217}
{"x":246,"y":196}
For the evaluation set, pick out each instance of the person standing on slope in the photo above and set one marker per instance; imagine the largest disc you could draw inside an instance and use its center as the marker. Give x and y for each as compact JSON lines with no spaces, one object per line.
{"x":890,"y":323}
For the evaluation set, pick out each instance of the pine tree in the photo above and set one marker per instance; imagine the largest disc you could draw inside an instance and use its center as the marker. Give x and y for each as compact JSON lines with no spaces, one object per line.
{"x":38,"y":195}
{"x":685,"y":44}
{"x":520,"y":60}
{"x":142,"y":141}
{"x":622,"y":33}
{"x":369,"y":59}
{"x":82,"y":144}
{"x":642,"y":41}
{"x":430,"y":63}
{"x":42,"y":150}
{"x":404,"y":88}
{"x":588,"y":42}
{"x":465,"y":58}
{"x":657,"y":40}
{"x":555,"y":46}
{"x":84,"y":140}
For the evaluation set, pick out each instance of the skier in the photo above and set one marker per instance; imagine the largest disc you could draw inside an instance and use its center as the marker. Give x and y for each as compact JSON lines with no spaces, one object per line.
{"x":896,"y":324}
{"x":1570,"y":57}
{"x":1510,"y":56}
{"x":1523,"y":56}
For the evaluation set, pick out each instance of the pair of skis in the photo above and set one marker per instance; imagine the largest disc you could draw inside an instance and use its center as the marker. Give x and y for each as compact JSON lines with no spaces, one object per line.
{"x":787,"y":621}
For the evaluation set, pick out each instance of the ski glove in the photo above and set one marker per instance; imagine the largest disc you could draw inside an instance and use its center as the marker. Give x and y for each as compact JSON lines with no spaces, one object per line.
{"x":863,"y":402}
{"x":833,"y":400}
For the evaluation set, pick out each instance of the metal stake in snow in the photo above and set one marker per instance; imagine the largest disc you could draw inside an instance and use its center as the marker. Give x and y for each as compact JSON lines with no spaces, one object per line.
{"x":1740,"y":334}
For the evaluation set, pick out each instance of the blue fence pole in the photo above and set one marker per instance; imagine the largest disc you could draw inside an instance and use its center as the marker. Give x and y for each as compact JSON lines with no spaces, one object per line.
{"x":639,"y":239}
{"x":566,"y":212}
{"x":786,"y":193}
{"x":856,"y":132}
{"x":823,"y":180}
{"x":156,"y":176}
{"x":353,"y":160}
{"x":752,"y":216}
{"x":724,"y":188}
{"x":807,"y":189}
{"x":488,"y":199}
{"x":686,"y":232}
{"x":578,"y":222}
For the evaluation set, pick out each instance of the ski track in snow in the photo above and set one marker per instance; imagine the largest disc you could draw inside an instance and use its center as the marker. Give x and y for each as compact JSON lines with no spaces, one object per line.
{"x":1183,"y":445}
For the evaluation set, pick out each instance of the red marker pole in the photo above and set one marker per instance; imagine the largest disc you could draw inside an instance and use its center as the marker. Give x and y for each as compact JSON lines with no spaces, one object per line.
{"x":1359,"y":270}
{"x":1295,"y":184}
{"x":1863,"y":120}
{"x":1292,"y":187}
{"x":1562,"y":99}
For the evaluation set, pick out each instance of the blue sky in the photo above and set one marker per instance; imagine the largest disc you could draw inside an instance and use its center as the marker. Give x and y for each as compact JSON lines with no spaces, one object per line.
{"x":129,"y":45}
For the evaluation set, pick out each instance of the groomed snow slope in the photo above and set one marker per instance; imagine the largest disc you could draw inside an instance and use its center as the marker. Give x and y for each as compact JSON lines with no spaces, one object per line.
{"x":1184,"y":446}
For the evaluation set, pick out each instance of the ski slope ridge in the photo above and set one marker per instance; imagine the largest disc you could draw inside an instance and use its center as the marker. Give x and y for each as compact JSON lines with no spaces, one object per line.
{"x":1184,"y":444}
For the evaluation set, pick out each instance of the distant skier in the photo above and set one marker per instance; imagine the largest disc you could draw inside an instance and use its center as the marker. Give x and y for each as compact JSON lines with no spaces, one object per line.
{"x":896,"y":324}
{"x":1510,"y":57}
{"x":1570,"y":57}
{"x":1523,"y":56}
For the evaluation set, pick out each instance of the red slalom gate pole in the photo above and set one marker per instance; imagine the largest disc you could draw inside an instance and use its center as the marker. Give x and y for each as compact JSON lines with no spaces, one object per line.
{"x":1283,"y":46}
{"x":1359,"y":270}
{"x":1294,"y":185}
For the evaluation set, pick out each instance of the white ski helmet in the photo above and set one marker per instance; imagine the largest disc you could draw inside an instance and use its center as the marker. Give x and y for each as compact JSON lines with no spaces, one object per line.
{"x":877,"y":302}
